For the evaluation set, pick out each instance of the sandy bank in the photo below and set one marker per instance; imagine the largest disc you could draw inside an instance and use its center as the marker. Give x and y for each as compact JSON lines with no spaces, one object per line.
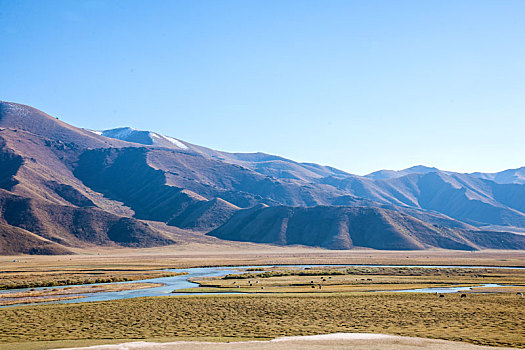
{"x":347,"y":341}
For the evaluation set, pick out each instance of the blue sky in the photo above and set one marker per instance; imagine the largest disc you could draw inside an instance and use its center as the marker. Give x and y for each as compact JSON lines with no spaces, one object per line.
{"x":358,"y":85}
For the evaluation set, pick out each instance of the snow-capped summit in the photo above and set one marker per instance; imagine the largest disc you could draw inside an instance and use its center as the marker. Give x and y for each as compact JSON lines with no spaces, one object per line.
{"x":142,"y":137}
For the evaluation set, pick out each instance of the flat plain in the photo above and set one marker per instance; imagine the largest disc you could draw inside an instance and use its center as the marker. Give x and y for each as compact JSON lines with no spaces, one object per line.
{"x":493,"y":319}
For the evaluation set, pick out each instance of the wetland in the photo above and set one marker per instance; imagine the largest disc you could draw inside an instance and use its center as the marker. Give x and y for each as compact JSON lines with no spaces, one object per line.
{"x":216,"y":302}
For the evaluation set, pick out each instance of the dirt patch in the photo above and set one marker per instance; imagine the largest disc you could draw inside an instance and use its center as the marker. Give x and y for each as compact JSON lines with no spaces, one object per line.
{"x":337,"y":341}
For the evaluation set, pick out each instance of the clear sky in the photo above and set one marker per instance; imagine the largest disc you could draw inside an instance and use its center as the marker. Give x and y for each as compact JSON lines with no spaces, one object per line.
{"x":358,"y":85}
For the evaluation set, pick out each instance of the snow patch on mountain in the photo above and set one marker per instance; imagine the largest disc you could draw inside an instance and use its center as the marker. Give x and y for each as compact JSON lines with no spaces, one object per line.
{"x":141,"y":136}
{"x":120,"y":133}
{"x":176,"y":142}
{"x":169,"y":139}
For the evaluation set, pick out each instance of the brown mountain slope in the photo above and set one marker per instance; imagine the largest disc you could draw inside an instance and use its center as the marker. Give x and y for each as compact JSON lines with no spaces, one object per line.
{"x":76,"y":188}
{"x":349,"y":227}
{"x":38,"y":155}
{"x":76,"y":227}
{"x":24,"y":118}
{"x":44,"y":164}
{"x":205,"y":215}
{"x":237,"y":184}
{"x":460,"y":196}
{"x":10,"y":162}
{"x":14,"y":240}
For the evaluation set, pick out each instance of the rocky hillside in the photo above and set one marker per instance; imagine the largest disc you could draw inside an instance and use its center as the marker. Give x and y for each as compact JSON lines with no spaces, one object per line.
{"x":63,"y":187}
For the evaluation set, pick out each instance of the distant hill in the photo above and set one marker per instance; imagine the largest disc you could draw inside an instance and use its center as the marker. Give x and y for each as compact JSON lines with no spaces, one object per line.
{"x":510,"y":176}
{"x":63,"y":187}
{"x":391,"y":174}
{"x":350,"y":227}
{"x":463,"y":197}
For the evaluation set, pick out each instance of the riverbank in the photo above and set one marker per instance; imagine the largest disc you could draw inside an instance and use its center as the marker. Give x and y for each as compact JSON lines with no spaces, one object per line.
{"x":67,"y":293}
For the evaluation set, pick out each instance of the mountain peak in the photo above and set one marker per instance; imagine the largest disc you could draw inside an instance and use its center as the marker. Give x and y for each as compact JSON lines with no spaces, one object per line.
{"x":390,"y":174}
{"x":420,"y":169}
{"x":81,"y":187}
{"x":509,"y":176}
{"x":142,"y":137}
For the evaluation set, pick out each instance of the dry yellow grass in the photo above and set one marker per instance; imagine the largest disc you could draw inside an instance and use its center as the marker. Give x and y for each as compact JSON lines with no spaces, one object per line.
{"x":494,"y":319}
{"x":192,"y":256}
{"x":35,"y":275}
{"x":480,"y":319}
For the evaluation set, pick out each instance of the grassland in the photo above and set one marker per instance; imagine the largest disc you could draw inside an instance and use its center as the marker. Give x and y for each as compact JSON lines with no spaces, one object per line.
{"x":193,"y":256}
{"x":493,"y":319}
{"x":117,"y":265}
{"x":34,"y":275}
{"x":292,"y":306}
{"x":359,"y":279}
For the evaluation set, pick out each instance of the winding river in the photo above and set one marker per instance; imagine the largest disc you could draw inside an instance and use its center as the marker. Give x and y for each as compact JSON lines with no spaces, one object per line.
{"x":171,"y":284}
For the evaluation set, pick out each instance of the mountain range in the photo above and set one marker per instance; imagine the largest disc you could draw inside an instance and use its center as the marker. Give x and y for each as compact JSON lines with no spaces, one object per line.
{"x":63,"y":187}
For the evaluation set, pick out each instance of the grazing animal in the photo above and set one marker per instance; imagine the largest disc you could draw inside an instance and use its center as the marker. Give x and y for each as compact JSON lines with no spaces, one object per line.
{"x":311,"y":281}
{"x":262,"y":287}
{"x":463,"y":296}
{"x":519,"y":294}
{"x":441,"y":296}
{"x":320,"y":286}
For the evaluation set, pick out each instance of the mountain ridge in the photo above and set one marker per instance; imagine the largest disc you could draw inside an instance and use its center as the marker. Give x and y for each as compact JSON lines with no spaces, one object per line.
{"x":350,"y":227}
{"x":131,"y":177}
